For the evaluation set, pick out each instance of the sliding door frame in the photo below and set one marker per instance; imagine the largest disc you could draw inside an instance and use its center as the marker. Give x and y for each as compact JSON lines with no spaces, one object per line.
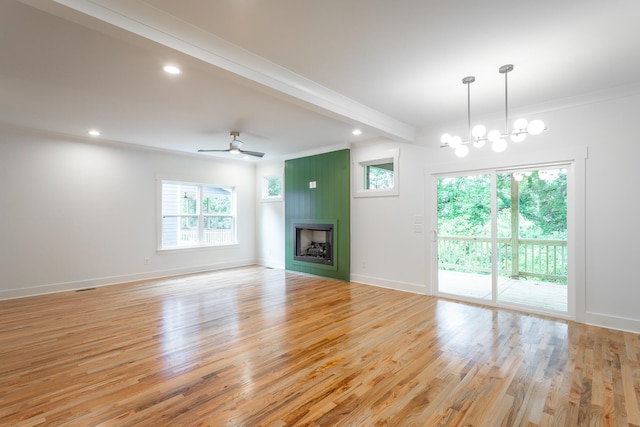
{"x":575,"y":161}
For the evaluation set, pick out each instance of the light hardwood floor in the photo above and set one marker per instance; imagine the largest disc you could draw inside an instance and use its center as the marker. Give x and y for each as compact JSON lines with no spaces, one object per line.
{"x":261,"y":347}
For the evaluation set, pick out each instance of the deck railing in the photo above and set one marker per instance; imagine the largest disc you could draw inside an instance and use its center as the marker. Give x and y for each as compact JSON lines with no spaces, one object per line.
{"x":211,"y":237}
{"x":534,"y":258}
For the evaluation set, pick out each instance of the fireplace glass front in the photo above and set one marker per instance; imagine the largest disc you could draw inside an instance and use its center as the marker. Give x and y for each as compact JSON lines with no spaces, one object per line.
{"x":314,"y":243}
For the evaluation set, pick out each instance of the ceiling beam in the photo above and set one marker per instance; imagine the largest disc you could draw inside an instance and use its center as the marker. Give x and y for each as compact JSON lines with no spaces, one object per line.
{"x":146,"y":21}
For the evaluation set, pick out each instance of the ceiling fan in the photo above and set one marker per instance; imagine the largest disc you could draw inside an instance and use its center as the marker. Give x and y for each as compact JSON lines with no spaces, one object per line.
{"x":235,"y":147}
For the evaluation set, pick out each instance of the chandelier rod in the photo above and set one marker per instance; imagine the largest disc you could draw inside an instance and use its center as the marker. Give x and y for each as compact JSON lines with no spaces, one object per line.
{"x":468,"y":80}
{"x":506,"y":104}
{"x":505,"y":69}
{"x":468,"y":110}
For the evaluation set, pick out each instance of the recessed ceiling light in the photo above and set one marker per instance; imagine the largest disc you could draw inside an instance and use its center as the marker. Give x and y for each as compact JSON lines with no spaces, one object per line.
{"x":356,"y":132}
{"x":171,"y":69}
{"x":93,"y":132}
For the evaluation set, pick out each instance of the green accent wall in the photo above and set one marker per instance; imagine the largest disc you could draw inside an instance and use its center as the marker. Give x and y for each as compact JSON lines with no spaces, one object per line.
{"x":328,"y":202}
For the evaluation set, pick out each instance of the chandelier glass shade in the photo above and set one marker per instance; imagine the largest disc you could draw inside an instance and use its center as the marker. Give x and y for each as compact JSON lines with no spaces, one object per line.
{"x":478,"y":135}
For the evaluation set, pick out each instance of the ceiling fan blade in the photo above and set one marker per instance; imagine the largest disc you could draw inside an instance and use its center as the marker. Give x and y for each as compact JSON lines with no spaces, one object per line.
{"x":252,"y":153}
{"x":234,"y":147}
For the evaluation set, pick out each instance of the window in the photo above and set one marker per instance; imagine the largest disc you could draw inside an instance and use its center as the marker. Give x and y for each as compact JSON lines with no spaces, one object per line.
{"x":377,"y":174}
{"x":272,"y":187}
{"x":197,"y":215}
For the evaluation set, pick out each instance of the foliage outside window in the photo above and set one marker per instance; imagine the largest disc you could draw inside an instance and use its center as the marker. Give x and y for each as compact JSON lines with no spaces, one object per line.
{"x":197,"y":215}
{"x":542,"y":204}
{"x":379,"y":176}
{"x":272,"y":187}
{"x":464,"y":205}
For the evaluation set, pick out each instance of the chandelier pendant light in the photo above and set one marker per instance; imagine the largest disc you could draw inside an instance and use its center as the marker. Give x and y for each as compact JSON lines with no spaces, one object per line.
{"x":478,"y":136}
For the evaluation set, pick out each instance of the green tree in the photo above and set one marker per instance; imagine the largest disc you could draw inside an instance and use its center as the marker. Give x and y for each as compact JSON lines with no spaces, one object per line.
{"x":216,"y":204}
{"x":464,"y":205}
{"x":274,"y":186}
{"x":542,"y":200}
{"x":379,"y":176}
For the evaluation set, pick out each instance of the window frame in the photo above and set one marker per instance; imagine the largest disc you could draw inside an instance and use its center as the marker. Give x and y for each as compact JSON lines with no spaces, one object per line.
{"x":361,"y":165}
{"x":265,"y":186}
{"x":200,"y":215}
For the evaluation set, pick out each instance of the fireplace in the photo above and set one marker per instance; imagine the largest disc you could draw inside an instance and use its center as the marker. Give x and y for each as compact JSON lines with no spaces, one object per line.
{"x":314,"y":243}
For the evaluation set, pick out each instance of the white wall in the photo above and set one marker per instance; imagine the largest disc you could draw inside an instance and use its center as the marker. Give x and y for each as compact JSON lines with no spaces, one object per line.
{"x":610,"y":130}
{"x":75,"y":214}
{"x":270,"y":219}
{"x":386,"y":248}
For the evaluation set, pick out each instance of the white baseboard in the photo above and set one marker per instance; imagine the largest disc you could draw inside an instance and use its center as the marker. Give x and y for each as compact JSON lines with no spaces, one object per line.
{"x":114,"y":280}
{"x":390,"y":284}
{"x":613,"y":322}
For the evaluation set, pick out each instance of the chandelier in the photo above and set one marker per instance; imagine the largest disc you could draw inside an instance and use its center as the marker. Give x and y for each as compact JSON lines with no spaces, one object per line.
{"x":478,"y":136}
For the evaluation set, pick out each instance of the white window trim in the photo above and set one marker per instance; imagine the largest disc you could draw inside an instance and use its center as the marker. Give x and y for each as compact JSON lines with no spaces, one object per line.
{"x":161,"y":249}
{"x":359,"y":170}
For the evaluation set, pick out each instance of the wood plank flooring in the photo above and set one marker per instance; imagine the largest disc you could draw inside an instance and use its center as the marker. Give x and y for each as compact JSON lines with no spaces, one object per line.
{"x":261,"y":347}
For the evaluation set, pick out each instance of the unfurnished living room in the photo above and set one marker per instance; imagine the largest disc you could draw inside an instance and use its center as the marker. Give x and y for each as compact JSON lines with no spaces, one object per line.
{"x":330,"y":213}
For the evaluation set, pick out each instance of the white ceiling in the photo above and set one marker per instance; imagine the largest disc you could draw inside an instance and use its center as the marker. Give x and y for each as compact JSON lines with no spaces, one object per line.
{"x":296,"y":76}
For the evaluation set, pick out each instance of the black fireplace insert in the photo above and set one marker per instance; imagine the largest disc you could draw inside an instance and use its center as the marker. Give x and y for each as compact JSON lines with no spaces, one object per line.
{"x":314,"y":243}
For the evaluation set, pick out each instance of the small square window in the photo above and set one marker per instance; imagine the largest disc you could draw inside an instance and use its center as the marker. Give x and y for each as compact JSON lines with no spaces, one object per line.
{"x":376,"y":175}
{"x":272,"y":187}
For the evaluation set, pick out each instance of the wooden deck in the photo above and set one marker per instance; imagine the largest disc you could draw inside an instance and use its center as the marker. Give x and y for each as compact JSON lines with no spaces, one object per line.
{"x":261,"y":347}
{"x":540,"y":295}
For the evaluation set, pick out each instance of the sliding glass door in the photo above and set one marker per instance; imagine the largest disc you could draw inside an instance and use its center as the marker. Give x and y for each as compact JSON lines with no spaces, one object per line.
{"x":464,"y":242}
{"x":532,"y":237}
{"x":502,"y":237}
